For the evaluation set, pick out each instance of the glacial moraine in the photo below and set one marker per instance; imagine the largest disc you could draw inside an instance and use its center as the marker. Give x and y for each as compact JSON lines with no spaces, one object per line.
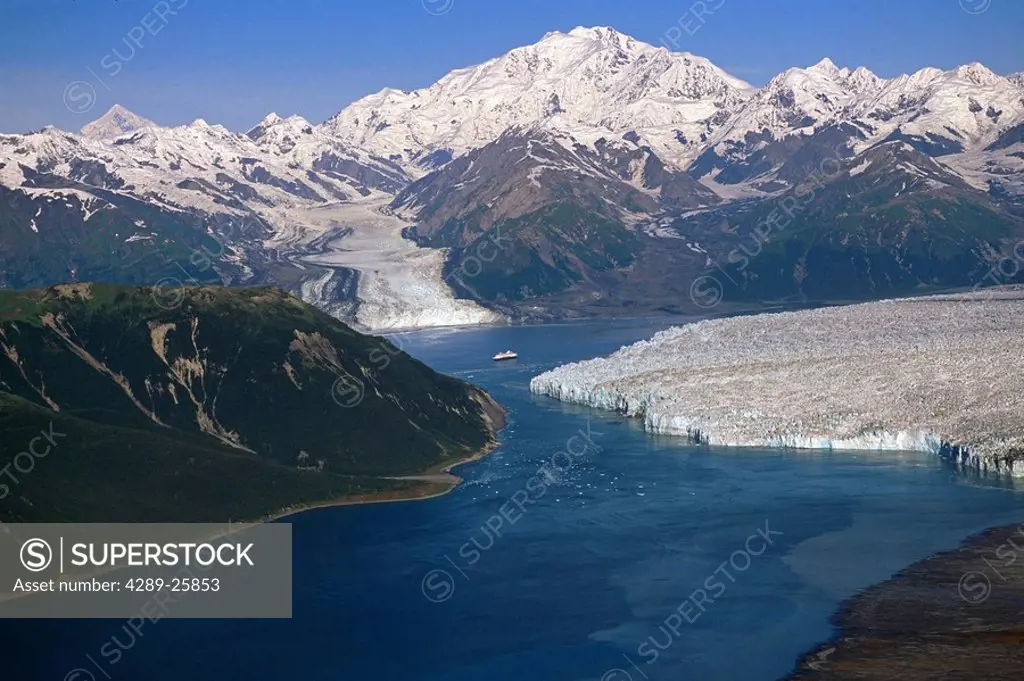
{"x":953,"y":615}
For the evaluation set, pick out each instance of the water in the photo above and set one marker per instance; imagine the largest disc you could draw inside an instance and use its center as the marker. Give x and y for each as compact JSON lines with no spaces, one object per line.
{"x":575,"y":584}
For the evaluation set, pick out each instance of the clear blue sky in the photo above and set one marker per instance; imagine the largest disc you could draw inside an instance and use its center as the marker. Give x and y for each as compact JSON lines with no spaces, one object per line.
{"x":233,"y":61}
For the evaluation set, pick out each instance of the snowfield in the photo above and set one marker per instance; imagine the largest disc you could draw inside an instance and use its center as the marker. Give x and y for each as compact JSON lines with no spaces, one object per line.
{"x":596,"y":82}
{"x":941,"y":374}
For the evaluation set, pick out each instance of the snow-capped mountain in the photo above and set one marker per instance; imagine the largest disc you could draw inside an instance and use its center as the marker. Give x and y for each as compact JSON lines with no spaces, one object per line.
{"x":958,"y":110}
{"x":201,"y":166}
{"x":595,"y":83}
{"x":315,"y":147}
{"x":244,"y":208}
{"x":937,"y":112}
{"x":592,"y":142}
{"x":799,"y":100}
{"x":592,"y":82}
{"x":114,"y":123}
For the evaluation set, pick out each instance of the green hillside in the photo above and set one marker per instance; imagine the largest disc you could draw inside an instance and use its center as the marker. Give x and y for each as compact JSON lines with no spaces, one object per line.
{"x":234,"y":403}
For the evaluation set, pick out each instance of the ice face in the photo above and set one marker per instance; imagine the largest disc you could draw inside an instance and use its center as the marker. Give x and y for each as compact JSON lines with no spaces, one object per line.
{"x":943,"y":374}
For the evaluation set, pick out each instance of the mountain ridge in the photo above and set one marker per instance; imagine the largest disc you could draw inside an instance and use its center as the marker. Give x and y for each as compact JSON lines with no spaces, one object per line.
{"x":628,"y":134}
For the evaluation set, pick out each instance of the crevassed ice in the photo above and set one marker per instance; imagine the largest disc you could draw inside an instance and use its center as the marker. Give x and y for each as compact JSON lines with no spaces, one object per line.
{"x":400,"y":285}
{"x":941,"y":374}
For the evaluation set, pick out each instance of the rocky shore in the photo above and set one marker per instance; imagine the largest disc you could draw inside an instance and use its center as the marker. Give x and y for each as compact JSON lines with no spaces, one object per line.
{"x":956,"y":615}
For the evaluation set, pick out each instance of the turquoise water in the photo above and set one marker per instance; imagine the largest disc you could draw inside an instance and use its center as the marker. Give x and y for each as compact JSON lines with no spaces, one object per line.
{"x":571,"y":566}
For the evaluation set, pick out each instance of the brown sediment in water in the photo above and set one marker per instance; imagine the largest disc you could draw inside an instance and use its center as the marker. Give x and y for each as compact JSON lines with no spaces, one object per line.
{"x":956,"y":615}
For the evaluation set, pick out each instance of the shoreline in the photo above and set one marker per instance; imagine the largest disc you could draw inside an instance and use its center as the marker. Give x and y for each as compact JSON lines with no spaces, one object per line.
{"x":436,"y":481}
{"x":428,"y":489}
{"x":437,"y":476}
{"x":956,"y":614}
{"x":430,"y":480}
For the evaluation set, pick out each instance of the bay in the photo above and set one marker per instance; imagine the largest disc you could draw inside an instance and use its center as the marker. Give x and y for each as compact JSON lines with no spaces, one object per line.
{"x":596,"y":578}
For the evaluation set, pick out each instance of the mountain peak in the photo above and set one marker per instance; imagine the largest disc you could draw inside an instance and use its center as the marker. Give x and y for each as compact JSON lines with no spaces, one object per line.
{"x":280,"y":131}
{"x":922,"y":76}
{"x":115,"y":122}
{"x":976,"y":73}
{"x":592,"y":80}
{"x":201,"y":126}
{"x":596,"y":32}
{"x":826,"y":66}
{"x":260,"y":129}
{"x":605,"y":35}
{"x":864,"y":81}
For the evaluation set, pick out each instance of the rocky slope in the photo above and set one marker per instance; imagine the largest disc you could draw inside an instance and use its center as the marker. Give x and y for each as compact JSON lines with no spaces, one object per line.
{"x":185,"y":390}
{"x":528,"y":215}
{"x":891,"y":221}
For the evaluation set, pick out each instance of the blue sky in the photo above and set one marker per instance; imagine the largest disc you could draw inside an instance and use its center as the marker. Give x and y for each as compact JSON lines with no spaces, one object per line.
{"x":233,"y":61}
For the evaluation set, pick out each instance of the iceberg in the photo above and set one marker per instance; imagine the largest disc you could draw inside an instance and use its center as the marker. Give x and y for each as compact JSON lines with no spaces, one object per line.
{"x":941,"y":374}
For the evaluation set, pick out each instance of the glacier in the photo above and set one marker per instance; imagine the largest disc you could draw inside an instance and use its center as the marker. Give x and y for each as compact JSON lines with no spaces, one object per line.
{"x":939,"y":374}
{"x":399,"y":285}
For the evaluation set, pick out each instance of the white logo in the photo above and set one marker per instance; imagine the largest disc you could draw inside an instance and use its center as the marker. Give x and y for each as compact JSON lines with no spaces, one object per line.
{"x":348,"y":391}
{"x":438,"y":586}
{"x":36,"y":555}
{"x":437,"y":7}
{"x":975,"y":6}
{"x":79,"y":97}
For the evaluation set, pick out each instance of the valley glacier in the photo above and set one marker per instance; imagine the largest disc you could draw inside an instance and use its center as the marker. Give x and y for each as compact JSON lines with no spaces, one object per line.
{"x":399,"y":285}
{"x":940,"y":374}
